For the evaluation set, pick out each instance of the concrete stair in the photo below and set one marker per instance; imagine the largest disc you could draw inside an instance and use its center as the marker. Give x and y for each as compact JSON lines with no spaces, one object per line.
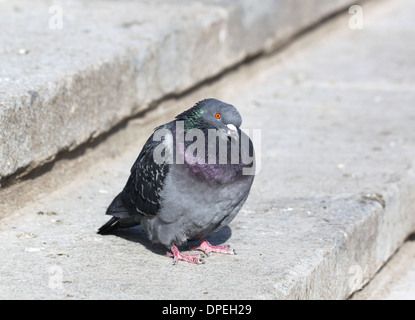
{"x":335,"y":195}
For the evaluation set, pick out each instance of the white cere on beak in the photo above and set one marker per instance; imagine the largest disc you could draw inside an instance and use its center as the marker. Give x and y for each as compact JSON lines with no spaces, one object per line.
{"x":232,"y":131}
{"x":231,"y":128}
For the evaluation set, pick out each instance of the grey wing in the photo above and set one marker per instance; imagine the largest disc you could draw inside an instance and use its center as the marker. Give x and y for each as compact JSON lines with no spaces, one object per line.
{"x":146,"y":181}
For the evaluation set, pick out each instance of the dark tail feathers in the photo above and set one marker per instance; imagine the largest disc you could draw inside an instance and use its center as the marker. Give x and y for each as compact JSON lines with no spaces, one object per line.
{"x":111,"y":225}
{"x":118,"y":211}
{"x":123,"y":217}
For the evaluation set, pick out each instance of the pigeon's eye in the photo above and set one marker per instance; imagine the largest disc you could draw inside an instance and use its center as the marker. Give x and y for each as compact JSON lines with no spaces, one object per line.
{"x":217,"y":115}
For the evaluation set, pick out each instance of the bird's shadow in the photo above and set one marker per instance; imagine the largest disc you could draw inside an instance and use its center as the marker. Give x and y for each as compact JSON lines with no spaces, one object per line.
{"x":138,"y":234}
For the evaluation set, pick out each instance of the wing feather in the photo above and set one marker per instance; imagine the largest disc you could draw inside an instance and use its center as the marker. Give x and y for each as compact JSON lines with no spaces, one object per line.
{"x":146,"y":181}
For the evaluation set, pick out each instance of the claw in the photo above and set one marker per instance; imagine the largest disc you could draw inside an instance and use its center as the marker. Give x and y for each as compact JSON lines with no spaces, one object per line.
{"x":177,"y":255}
{"x":207,"y":248}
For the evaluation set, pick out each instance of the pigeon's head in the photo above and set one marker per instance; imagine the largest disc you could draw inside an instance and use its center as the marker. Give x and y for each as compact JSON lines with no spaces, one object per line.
{"x":213,"y":114}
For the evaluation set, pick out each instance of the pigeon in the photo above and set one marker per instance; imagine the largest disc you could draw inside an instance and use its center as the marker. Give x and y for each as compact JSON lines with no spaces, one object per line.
{"x":190,"y":179}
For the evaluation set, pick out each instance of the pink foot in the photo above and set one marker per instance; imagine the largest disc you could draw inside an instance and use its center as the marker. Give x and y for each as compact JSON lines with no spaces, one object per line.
{"x":207,"y":248}
{"x":177,"y":255}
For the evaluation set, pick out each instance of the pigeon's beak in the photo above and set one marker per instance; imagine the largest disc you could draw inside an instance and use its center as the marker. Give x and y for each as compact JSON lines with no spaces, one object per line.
{"x":232,"y":132}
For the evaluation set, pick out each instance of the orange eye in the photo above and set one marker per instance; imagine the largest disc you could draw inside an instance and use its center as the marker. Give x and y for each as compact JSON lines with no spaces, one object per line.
{"x":217,"y":116}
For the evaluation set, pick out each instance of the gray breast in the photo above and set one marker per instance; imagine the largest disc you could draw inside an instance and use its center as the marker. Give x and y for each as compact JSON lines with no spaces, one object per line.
{"x":193,"y":208}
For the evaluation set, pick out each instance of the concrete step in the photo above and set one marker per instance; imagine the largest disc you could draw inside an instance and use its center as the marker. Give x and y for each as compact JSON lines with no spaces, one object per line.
{"x":396,"y":279}
{"x":333,"y":201}
{"x":70,"y":72}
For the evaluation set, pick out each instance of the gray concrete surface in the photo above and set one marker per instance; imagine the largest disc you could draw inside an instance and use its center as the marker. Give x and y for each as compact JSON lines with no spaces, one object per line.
{"x":71,"y":70}
{"x":396,"y":280}
{"x":333,"y":201}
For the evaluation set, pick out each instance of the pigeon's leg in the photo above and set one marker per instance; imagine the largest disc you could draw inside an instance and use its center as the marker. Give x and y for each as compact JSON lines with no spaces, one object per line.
{"x":207,"y":248}
{"x":177,"y":255}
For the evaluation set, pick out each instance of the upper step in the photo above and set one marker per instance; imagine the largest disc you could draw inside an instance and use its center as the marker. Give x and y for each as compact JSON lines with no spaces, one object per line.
{"x":72,"y":71}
